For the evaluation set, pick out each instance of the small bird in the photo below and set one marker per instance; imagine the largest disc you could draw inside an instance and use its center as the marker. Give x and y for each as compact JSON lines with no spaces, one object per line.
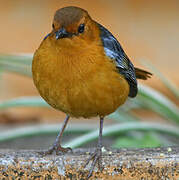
{"x":81,"y":69}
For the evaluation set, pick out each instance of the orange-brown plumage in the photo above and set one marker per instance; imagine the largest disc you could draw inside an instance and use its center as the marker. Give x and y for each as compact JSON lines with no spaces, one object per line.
{"x":76,"y":77}
{"x":82,"y":70}
{"x":86,"y":86}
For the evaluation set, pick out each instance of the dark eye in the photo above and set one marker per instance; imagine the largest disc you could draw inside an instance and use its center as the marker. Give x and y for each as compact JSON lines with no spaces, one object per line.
{"x":53,"y":26}
{"x":81,"y":28}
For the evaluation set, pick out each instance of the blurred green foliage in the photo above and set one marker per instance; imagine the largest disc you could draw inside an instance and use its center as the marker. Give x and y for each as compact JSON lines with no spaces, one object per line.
{"x":130,"y":133}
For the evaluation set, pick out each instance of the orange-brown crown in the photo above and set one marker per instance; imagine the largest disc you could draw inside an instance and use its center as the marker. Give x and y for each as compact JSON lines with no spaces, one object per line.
{"x":69,"y":17}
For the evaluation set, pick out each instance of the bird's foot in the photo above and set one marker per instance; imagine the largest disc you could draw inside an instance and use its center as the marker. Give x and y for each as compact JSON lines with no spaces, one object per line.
{"x":96,"y":157}
{"x":57,"y":150}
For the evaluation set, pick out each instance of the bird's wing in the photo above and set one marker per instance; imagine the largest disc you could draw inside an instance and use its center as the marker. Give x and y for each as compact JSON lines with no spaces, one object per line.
{"x":114,"y":51}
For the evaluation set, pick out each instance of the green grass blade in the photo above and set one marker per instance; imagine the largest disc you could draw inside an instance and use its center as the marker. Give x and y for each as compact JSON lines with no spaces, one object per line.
{"x":147,"y":139}
{"x":32,"y":101}
{"x":23,"y":59}
{"x":118,"y":129}
{"x":157,"y":102}
{"x":168,"y":83}
{"x":17,"y":64}
{"x":122,"y":116}
{"x":43,"y":129}
{"x":16,"y":68}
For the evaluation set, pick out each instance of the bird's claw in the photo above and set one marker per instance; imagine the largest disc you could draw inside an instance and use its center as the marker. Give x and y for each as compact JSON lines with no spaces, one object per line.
{"x":96,"y":157}
{"x":57,"y":150}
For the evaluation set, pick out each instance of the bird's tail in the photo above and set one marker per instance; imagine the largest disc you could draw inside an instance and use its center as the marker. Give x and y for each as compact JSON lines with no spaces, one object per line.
{"x":142,"y":74}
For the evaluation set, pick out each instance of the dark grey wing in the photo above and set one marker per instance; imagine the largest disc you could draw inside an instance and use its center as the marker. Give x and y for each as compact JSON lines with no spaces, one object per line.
{"x":114,"y":50}
{"x":47,"y":36}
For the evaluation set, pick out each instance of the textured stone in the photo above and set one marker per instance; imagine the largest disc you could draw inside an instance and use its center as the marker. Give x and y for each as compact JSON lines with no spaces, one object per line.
{"x":125,"y":164}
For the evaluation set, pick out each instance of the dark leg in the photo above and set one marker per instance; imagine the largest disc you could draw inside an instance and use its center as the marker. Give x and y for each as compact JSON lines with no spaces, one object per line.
{"x":97,"y":155}
{"x":57,"y":148}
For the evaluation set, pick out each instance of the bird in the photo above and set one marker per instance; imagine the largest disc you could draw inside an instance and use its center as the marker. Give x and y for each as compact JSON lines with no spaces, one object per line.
{"x":81,"y":69}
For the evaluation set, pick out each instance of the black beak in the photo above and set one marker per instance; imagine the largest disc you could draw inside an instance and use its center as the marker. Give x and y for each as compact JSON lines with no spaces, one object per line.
{"x":61,"y":33}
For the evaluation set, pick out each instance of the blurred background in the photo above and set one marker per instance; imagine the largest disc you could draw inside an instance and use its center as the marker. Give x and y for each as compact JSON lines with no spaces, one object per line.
{"x":148,"y":32}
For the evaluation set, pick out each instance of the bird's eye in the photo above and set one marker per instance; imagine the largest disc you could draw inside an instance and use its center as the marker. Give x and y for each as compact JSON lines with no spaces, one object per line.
{"x":81,"y":28}
{"x":53,"y":26}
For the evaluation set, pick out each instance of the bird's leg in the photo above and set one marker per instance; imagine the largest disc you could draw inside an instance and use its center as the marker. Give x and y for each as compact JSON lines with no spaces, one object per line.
{"x":96,"y":157}
{"x":57,"y":148}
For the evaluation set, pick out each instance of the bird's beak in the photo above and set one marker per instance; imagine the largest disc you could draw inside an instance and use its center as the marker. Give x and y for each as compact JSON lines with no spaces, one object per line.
{"x":61,"y":33}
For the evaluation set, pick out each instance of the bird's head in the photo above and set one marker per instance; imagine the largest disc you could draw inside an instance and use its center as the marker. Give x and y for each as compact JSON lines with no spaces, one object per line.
{"x":73,"y":22}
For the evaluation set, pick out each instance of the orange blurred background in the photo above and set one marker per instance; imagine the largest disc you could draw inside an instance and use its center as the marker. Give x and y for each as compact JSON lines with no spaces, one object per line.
{"x":146,"y":30}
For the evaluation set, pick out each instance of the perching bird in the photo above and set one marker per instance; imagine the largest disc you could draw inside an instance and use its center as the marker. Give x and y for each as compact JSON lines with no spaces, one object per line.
{"x":81,"y":69}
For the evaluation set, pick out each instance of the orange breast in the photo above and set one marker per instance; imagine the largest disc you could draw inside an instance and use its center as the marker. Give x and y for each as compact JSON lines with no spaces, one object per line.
{"x":78,"y":79}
